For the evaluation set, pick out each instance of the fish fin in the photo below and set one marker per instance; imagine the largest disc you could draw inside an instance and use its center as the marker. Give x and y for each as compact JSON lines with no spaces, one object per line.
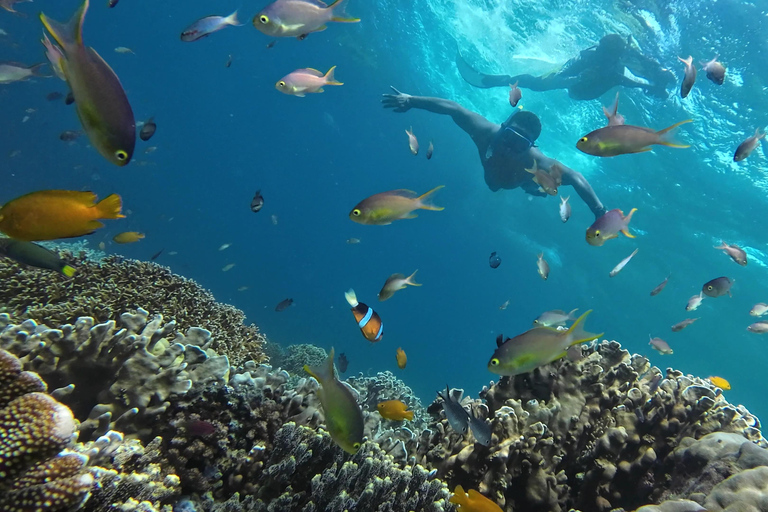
{"x":93,"y":225}
{"x":573,"y":311}
{"x":410,"y":216}
{"x":408,"y":415}
{"x":68,"y":271}
{"x":627,"y":219}
{"x":339,"y":14}
{"x":758,"y":134}
{"x":666,"y":131}
{"x":324,"y":372}
{"x":320,"y":90}
{"x":329,"y":78}
{"x":311,"y":71}
{"x":67,"y":34}
{"x":514,"y":85}
{"x":576,"y":334}
{"x":499,"y":340}
{"x":232,"y":20}
{"x":351,"y":297}
{"x":35,"y":70}
{"x":626,"y":233}
{"x":109,"y":207}
{"x":688,"y":61}
{"x":409,"y":279}
{"x":424,"y":197}
{"x":459,"y":497}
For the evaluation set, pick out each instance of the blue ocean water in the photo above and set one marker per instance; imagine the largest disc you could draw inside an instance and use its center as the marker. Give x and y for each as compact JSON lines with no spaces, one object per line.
{"x":225,"y":132}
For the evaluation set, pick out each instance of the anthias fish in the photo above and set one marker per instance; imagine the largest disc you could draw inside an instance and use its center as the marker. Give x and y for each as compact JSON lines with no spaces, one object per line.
{"x":367,"y":319}
{"x":298,"y":18}
{"x":384,"y":208}
{"x":101,"y":103}
{"x":305,"y":81}
{"x":609,"y":226}
{"x":625,"y":139}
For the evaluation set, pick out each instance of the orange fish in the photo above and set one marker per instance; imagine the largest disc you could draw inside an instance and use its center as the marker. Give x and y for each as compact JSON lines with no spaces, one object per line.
{"x":52,"y":214}
{"x":394,"y":410}
{"x":472,"y":502}
{"x":367,"y":319}
{"x":402,"y":359}
{"x":720,"y":382}
{"x":128,"y":237}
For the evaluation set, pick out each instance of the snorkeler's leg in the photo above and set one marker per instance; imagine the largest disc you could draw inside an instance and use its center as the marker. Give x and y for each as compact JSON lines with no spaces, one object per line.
{"x":584,"y":189}
{"x":478,"y":79}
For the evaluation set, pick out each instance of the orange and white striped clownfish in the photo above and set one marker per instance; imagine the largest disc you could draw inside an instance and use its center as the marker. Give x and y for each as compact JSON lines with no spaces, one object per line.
{"x":367,"y":319}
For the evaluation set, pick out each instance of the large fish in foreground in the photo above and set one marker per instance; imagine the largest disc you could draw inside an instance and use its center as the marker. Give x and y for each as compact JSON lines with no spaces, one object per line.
{"x":101,"y":103}
{"x":343,"y":417}
{"x":537,"y":347}
{"x":298,"y":18}
{"x":614,"y":140}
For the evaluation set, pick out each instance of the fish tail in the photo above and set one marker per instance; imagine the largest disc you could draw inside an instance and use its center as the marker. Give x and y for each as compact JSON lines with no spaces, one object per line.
{"x":576,"y":334}
{"x":351,"y":297}
{"x":36,"y":70}
{"x":758,"y":134}
{"x":232,"y":20}
{"x":67,"y":34}
{"x":421,"y":200}
{"x":688,"y":61}
{"x":722,"y":245}
{"x":628,"y":218}
{"x":408,"y":415}
{"x":666,"y":132}
{"x":329,"y":79}
{"x":68,"y":271}
{"x":573,"y":312}
{"x":337,"y":9}
{"x":459,"y":497}
{"x":109,"y":207}
{"x":409,"y":280}
{"x":324,"y":372}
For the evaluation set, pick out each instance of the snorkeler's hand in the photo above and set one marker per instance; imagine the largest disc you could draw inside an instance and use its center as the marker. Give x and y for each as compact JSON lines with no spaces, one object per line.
{"x":399,"y":101}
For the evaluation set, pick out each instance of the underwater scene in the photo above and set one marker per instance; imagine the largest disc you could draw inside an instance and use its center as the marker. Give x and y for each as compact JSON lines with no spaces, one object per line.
{"x":477,"y":255}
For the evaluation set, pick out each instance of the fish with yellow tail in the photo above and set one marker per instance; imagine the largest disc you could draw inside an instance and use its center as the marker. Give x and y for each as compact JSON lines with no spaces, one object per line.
{"x":298,"y":18}
{"x":614,"y":140}
{"x":394,"y":410}
{"x":343,"y":417}
{"x":101,"y":103}
{"x":367,"y":319}
{"x":34,"y":255}
{"x":537,"y":347}
{"x":609,"y":226}
{"x":472,"y":501}
{"x":52,"y":214}
{"x":306,"y":80}
{"x":383,"y":208}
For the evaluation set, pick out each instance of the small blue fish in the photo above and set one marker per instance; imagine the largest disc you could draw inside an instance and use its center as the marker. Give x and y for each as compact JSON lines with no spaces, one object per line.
{"x":207,"y":26}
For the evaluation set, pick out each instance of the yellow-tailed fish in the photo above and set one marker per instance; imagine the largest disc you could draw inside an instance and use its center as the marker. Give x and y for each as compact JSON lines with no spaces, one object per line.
{"x":623,"y":139}
{"x":720,"y":382}
{"x":394,"y":410}
{"x":8,"y":4}
{"x":298,"y":18}
{"x":101,"y":103}
{"x":537,"y":347}
{"x":34,"y":255}
{"x":306,"y":80}
{"x":128,"y":237}
{"x":385,"y":207}
{"x":343,"y":417}
{"x":52,"y":214}
{"x":472,"y":501}
{"x":608,"y":227}
{"x":396,"y":282}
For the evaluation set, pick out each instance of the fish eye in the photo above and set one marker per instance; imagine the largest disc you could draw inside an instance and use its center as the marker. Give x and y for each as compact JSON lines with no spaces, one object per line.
{"x":356,"y":446}
{"x":709,"y":287}
{"x":583,"y":139}
{"x":494,"y":362}
{"x":356,"y":212}
{"x":121,"y":155}
{"x":264,"y":19}
{"x":281,"y":83}
{"x":597,"y":233}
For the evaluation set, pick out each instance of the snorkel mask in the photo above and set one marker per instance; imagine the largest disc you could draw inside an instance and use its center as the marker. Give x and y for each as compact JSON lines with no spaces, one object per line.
{"x":516,"y":135}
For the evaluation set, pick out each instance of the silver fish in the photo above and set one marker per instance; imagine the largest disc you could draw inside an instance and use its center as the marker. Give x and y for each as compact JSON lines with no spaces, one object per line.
{"x":480,"y":429}
{"x":456,"y":415}
{"x":565,"y":208}
{"x":542,"y":266}
{"x":660,"y":345}
{"x":555,"y":318}
{"x":690,"y":76}
{"x":758,"y":327}
{"x":748,"y":146}
{"x":694,"y":302}
{"x":682,"y":325}
{"x":660,"y":287}
{"x":736,"y":253}
{"x":622,"y":263}
{"x":759,"y":309}
{"x":207,"y":26}
{"x":413,"y":142}
{"x":16,"y":72}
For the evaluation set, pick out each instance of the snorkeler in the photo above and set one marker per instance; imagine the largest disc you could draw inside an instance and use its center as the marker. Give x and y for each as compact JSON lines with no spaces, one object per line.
{"x":505,"y":150}
{"x":612,"y":62}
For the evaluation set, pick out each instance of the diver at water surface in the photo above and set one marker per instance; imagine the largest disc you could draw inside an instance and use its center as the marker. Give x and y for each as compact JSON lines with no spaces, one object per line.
{"x":505,"y":150}
{"x":610,"y":63}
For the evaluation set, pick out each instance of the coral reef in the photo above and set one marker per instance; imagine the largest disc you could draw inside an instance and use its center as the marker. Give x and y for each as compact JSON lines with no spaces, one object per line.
{"x":104,"y":289}
{"x":34,"y":429}
{"x":294,"y":357}
{"x":107,"y":373}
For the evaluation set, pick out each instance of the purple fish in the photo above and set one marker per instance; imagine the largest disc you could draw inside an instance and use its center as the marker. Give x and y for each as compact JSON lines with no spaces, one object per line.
{"x":682,"y":325}
{"x":661,"y":346}
{"x":608,"y":226}
{"x":717,"y":287}
{"x":297,"y":18}
{"x":207,"y":26}
{"x":515,"y":94}
{"x":614,"y":118}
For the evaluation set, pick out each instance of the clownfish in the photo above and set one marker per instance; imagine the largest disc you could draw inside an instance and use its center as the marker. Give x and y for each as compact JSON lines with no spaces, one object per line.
{"x":367,"y":319}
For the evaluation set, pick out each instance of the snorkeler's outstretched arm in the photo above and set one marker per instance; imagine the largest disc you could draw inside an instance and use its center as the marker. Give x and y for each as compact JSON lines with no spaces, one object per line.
{"x":575,"y":179}
{"x":478,"y":127}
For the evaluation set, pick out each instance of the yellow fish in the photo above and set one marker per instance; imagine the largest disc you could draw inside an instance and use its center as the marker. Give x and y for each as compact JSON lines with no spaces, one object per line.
{"x":720,"y":382}
{"x":52,"y":214}
{"x":472,"y":502}
{"x":100,"y":100}
{"x":128,"y":237}
{"x":402,"y":359}
{"x":383,"y":208}
{"x":394,"y":410}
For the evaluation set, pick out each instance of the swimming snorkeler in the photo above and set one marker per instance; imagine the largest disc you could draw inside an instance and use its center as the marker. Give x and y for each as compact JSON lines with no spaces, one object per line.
{"x":610,"y":63}
{"x":505,"y":150}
